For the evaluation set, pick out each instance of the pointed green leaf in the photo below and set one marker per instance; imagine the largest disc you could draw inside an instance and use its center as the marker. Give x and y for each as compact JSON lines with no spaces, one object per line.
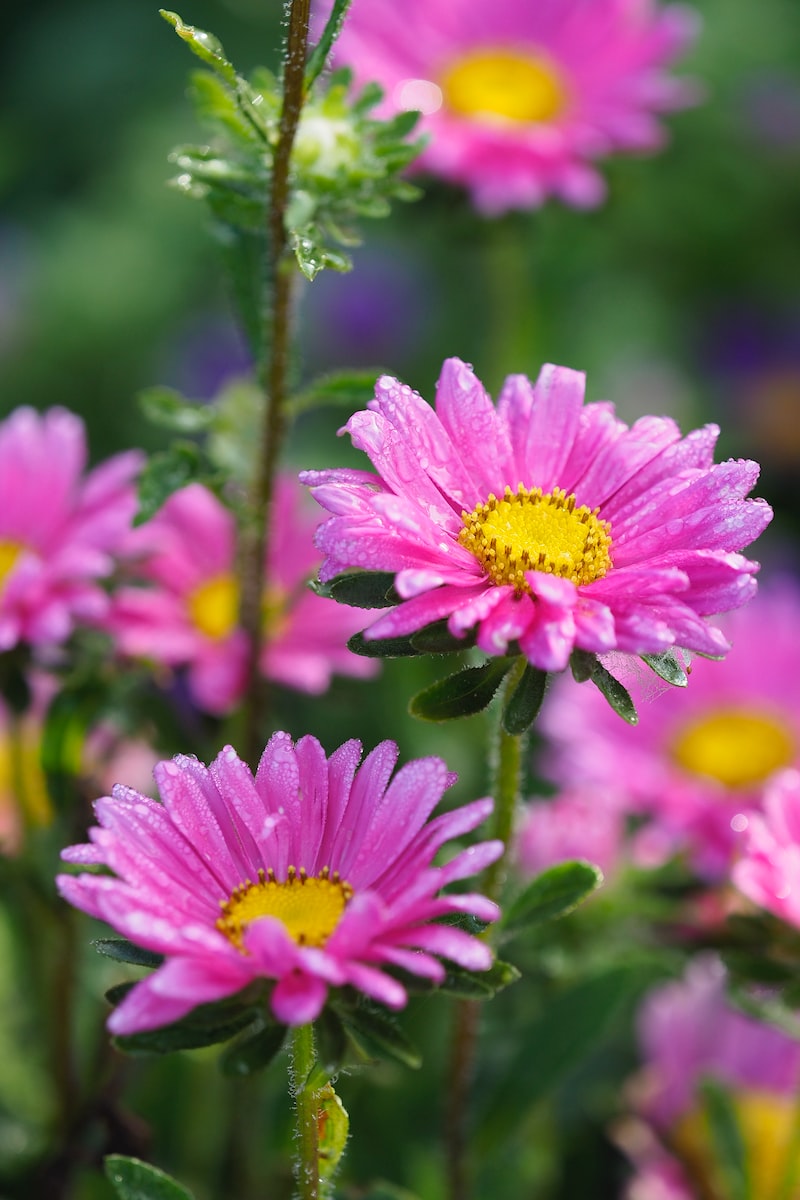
{"x":125,"y":951}
{"x":165,"y":473}
{"x":204,"y":45}
{"x":361,"y":589}
{"x":348,"y":389}
{"x":668,"y":667}
{"x":525,"y":701}
{"x":552,"y":894}
{"x":616,"y":695}
{"x":133,"y":1179}
{"x":377,"y":1035}
{"x":253,"y":1050}
{"x":399,"y":647}
{"x":478,"y":985}
{"x":169,"y":409}
{"x":730,"y":1154}
{"x":437,"y":639}
{"x":319,"y":55}
{"x":582,"y":663}
{"x":205,"y":1025}
{"x":461,"y":695}
{"x":334,"y":1126}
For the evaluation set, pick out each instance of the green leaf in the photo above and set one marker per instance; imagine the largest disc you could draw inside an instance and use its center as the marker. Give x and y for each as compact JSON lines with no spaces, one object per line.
{"x":361,"y":589}
{"x":525,"y":701}
{"x":334,"y":1126}
{"x":552,"y":894}
{"x":436,"y":638}
{"x":253,"y":1051}
{"x":122,"y":950}
{"x":206,"y":1025}
{"x":377,"y":1035}
{"x":730,"y":1155}
{"x":348,"y":389}
{"x":133,"y":1179}
{"x":478,"y":985}
{"x":616,"y":695}
{"x":204,"y":45}
{"x":165,"y":473}
{"x":399,"y":647}
{"x":169,"y":409}
{"x":319,"y":55}
{"x":668,"y":667}
{"x":582,"y":663}
{"x":73,"y":710}
{"x":460,"y":695}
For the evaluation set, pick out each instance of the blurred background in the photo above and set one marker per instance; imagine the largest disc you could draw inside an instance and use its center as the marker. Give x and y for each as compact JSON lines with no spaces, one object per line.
{"x":680,"y":296}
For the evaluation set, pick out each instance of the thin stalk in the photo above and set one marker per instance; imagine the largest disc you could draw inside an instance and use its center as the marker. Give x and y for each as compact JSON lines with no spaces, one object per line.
{"x":306,"y":1113}
{"x":273,"y":371}
{"x":506,"y":773}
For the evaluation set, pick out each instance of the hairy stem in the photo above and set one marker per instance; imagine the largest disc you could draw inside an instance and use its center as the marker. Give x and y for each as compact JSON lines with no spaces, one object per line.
{"x":273,"y":372}
{"x":306,"y":1114}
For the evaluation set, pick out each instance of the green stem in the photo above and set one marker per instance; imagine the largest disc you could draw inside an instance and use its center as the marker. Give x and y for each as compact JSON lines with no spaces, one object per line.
{"x":306,"y":1103}
{"x":273,"y":372}
{"x":507,"y":764}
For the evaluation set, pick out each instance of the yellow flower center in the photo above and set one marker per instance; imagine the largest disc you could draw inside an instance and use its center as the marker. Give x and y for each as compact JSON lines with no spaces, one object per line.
{"x":536,"y":531}
{"x":767,"y":1124}
{"x":9,"y":553}
{"x":22,"y":781}
{"x":214,"y":608}
{"x":503,"y":83}
{"x":309,"y":907}
{"x":738,"y":747}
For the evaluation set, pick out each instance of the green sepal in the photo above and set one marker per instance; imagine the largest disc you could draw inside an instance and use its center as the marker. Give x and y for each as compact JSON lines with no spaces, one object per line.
{"x":525,"y":701}
{"x":167,"y":408}
{"x":582,"y":663}
{"x":205,"y":1025}
{"x":207,"y":48}
{"x":133,"y":1179}
{"x":478,"y":985}
{"x":461,"y":695}
{"x":360,"y":589}
{"x":377,"y":1035}
{"x":334,"y":1127}
{"x":121,"y":950}
{"x":399,"y":647}
{"x":319,"y":55}
{"x":436,"y":638}
{"x":668,"y":667}
{"x":586,"y":666}
{"x":550,"y":895}
{"x":730,"y":1154}
{"x":254,"y":1049}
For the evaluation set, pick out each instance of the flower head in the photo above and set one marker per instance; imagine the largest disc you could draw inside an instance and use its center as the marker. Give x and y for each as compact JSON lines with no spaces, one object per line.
{"x":519,"y":99}
{"x":316,"y":873}
{"x":769,"y":871}
{"x":689,"y":1034}
{"x":59,"y":529}
{"x":572,"y":825}
{"x":187,"y":614}
{"x":700,"y":757}
{"x":542,"y":523}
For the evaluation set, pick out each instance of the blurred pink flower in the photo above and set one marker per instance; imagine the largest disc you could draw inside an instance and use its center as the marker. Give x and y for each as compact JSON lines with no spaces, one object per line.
{"x":690,"y":1034}
{"x":769,"y":871}
{"x":520,"y":98}
{"x":315,"y":874}
{"x":24,"y":799}
{"x":546,"y":524}
{"x":59,"y":529}
{"x":700,"y":757}
{"x":188,"y":611}
{"x":575,"y":824}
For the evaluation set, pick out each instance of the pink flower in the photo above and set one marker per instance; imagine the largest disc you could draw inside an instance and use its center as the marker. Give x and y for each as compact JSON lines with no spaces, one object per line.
{"x":187,"y":614}
{"x":520,"y":98}
{"x":59,"y":529}
{"x":315,"y":874}
{"x":690,"y":1034}
{"x":571,"y":825}
{"x":769,"y":872}
{"x":700,"y":757}
{"x":24,"y":798}
{"x":544,"y":524}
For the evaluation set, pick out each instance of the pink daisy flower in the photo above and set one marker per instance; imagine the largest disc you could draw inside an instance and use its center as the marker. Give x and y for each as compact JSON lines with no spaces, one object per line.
{"x":187,"y":613}
{"x":570,"y":826}
{"x":699,"y":757}
{"x":519,"y":99}
{"x":689,"y":1034}
{"x":316,"y":873}
{"x":59,"y":528}
{"x":542,"y":524}
{"x":769,"y":871}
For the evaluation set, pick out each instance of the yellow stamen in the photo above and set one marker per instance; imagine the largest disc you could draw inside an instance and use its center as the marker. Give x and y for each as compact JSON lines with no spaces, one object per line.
{"x":214,"y":608}
{"x":768,"y":1126}
{"x":309,"y":906}
{"x":737,"y":747}
{"x":9,"y":553}
{"x":536,"y":531}
{"x":505,"y":84}
{"x":22,"y":782}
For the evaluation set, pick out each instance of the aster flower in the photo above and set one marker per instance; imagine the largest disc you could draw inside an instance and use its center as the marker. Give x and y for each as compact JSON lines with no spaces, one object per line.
{"x":700,"y":758}
{"x":769,"y":871}
{"x":542,"y":525}
{"x":570,"y":826}
{"x":520,"y":99}
{"x":689,"y":1034}
{"x":24,"y":799}
{"x":59,"y":529}
{"x":187,"y":612}
{"x":316,"y":873}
